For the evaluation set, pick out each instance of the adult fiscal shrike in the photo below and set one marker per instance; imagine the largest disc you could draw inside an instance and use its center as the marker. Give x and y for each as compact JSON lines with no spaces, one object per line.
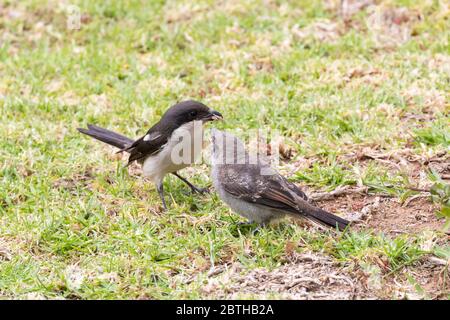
{"x":173,"y":143}
{"x":256,"y":191}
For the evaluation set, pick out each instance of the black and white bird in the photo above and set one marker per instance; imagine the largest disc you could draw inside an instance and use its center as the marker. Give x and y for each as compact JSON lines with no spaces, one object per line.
{"x":255,"y":190}
{"x":173,"y":143}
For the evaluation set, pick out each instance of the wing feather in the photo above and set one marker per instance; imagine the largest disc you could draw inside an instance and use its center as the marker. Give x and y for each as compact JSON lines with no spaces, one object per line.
{"x":143,"y":148}
{"x":271,"y":191}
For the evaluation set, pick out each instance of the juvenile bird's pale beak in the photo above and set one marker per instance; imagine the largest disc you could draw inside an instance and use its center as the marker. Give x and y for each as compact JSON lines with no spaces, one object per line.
{"x":214,"y":115}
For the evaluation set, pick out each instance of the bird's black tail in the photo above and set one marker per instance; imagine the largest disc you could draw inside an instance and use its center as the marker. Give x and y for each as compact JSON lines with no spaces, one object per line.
{"x":325,"y":218}
{"x":320,"y":216}
{"x":107,"y":136}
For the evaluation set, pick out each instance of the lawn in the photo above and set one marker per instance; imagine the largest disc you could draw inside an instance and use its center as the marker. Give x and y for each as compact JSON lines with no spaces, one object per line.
{"x":359,"y":93}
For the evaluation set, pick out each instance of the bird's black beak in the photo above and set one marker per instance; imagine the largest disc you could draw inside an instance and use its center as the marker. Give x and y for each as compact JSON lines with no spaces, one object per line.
{"x":214,"y":115}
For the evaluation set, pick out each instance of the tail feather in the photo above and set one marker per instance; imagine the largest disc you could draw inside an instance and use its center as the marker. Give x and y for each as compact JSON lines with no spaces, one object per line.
{"x":107,"y":136}
{"x":320,"y":216}
{"x":325,"y":218}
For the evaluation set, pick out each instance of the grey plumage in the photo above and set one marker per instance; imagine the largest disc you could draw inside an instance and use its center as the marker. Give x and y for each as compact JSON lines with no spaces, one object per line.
{"x":255,"y":190}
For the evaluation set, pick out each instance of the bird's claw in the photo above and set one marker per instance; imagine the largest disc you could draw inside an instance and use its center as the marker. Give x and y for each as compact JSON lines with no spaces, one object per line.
{"x":196,"y":190}
{"x":200,"y":190}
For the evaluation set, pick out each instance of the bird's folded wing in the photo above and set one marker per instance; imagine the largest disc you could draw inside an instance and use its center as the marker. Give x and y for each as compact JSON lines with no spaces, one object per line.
{"x":246,"y":183}
{"x":295,"y":189}
{"x":271,"y":191}
{"x":144,"y":147}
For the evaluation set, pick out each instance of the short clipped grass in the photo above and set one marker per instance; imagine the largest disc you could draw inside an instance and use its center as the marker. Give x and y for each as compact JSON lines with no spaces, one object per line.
{"x":75,"y":224}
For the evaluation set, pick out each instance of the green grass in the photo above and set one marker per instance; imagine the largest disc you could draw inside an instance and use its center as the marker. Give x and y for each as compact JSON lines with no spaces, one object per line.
{"x":68,"y":208}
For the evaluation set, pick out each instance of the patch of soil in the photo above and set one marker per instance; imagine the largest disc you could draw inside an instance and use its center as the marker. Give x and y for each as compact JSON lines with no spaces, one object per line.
{"x":78,"y":179}
{"x":387,"y":215}
{"x":306,"y":276}
{"x":312,"y":276}
{"x":323,"y":30}
{"x":433,"y":278}
{"x":5,"y":250}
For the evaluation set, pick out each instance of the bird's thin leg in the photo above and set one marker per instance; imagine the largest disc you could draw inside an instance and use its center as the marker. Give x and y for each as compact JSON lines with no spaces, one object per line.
{"x":193,"y":188}
{"x":161,"y":194}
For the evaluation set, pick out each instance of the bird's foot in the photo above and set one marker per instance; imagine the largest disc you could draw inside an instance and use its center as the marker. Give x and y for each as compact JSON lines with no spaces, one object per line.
{"x":246,"y":224}
{"x":249,"y":226}
{"x":163,"y":207}
{"x":195,"y":189}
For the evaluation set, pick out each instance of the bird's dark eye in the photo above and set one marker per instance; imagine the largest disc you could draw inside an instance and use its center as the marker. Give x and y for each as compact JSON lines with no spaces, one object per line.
{"x":193,"y":113}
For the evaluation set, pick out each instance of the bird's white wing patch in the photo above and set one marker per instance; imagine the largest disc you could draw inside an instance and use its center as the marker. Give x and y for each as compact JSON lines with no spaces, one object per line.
{"x":152,"y":136}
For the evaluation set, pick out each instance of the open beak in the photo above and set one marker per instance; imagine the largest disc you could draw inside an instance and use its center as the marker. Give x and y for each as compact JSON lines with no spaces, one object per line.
{"x":214,"y":115}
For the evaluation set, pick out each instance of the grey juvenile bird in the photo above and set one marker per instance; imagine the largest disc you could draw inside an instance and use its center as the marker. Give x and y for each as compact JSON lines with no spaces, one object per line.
{"x":158,"y":151}
{"x":256,"y":191}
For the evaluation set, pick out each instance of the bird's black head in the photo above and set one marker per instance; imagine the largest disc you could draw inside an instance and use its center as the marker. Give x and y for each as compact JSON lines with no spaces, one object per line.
{"x":190,"y":110}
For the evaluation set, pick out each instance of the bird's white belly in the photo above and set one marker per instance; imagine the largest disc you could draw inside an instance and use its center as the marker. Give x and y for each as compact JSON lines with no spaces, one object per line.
{"x":183,"y":148}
